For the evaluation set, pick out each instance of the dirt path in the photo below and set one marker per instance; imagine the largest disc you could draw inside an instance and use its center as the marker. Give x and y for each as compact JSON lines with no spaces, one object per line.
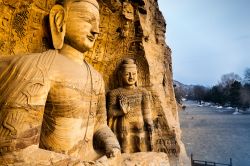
{"x":214,"y":135}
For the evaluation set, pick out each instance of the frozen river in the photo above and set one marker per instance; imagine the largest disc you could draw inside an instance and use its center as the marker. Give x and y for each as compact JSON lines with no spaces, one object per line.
{"x":214,"y":134}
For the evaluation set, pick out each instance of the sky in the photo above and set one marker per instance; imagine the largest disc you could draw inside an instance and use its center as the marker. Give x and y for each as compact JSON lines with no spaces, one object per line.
{"x":208,"y":38}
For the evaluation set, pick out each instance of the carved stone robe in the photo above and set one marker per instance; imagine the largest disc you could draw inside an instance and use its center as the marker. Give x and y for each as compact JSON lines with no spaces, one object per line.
{"x":50,"y":100}
{"x":130,"y":125}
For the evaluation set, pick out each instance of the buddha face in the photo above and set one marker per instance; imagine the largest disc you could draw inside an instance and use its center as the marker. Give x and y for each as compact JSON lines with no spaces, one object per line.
{"x":129,"y":76}
{"x":82,"y":25}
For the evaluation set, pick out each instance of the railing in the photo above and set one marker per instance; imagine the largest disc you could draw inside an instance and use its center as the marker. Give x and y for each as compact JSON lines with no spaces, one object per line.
{"x":208,"y":163}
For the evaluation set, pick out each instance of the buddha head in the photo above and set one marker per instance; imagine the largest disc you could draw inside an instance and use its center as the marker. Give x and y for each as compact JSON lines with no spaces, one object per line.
{"x":76,"y":23}
{"x":129,"y":73}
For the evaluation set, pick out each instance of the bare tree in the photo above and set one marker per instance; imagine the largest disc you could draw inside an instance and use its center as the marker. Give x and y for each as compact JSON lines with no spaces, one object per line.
{"x":228,"y":79}
{"x":199,"y":92}
{"x":247,"y":76}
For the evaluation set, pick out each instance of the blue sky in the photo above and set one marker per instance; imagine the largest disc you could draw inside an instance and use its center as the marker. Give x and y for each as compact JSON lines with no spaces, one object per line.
{"x":208,"y":38}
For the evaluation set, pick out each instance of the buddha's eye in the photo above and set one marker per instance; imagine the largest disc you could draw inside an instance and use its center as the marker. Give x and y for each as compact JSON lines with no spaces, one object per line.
{"x":87,"y":19}
{"x":126,"y":74}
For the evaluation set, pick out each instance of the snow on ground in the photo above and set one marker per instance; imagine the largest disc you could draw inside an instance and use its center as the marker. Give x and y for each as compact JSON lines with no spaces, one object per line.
{"x":236,"y":113}
{"x":214,"y":135}
{"x":217,"y":108}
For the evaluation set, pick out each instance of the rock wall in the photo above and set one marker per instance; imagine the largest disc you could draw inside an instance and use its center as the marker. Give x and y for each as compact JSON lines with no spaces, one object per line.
{"x":24,"y":26}
{"x":134,"y":29}
{"x":158,"y":55}
{"x":138,"y":32}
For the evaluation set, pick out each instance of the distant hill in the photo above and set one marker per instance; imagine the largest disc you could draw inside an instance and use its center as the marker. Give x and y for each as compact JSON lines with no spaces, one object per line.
{"x":185,"y":88}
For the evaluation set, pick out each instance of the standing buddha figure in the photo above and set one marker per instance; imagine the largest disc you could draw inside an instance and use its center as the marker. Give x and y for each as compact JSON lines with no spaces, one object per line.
{"x":129,"y":112}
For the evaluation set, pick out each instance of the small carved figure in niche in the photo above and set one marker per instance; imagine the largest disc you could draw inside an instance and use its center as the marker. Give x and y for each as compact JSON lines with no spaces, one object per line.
{"x":128,"y":10}
{"x":56,"y":99}
{"x":128,"y":14}
{"x":129,"y":112}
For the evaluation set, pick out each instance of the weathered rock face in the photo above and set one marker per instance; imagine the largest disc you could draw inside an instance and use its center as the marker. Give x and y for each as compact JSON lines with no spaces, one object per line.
{"x":24,"y":26}
{"x":128,"y":29}
{"x":145,"y":159}
{"x":141,"y":37}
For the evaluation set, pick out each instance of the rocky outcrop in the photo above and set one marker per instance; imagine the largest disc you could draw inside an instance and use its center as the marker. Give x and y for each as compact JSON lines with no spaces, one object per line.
{"x":139,"y":33}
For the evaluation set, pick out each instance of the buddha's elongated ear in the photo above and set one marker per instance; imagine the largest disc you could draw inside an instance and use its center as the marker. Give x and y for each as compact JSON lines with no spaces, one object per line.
{"x":57,"y":19}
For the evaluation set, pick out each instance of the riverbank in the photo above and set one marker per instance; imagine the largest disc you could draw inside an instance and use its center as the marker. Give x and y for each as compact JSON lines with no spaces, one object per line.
{"x":216,"y":134}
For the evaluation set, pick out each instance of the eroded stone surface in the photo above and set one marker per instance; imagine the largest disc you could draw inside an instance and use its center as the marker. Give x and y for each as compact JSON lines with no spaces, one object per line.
{"x":145,"y":159}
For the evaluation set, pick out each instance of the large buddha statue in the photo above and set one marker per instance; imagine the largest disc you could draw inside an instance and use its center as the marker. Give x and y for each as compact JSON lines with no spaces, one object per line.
{"x":55,"y":100}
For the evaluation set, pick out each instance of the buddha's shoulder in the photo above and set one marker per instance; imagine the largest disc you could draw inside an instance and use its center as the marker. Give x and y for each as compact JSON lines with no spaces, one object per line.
{"x":116,"y":92}
{"x":143,"y":91}
{"x":121,"y":90}
{"x":34,"y":60}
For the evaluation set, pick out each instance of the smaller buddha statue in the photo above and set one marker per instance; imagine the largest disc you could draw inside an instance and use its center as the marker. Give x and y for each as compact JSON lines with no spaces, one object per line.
{"x":129,"y":112}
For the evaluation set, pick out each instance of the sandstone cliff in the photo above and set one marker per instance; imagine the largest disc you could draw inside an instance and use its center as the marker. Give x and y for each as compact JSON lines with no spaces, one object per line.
{"x":134,"y":29}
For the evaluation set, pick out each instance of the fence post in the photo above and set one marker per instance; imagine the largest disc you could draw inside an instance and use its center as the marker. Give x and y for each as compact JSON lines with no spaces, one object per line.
{"x":191,"y":159}
{"x":231,"y":162}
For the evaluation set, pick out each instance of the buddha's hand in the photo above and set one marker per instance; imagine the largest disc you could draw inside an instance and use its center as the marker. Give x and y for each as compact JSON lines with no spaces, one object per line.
{"x":113,"y":152}
{"x":124,"y":105}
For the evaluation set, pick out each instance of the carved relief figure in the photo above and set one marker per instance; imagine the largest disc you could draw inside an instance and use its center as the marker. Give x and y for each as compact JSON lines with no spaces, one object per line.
{"x":128,"y":14}
{"x":56,"y":99}
{"x":129,"y":112}
{"x":128,"y":10}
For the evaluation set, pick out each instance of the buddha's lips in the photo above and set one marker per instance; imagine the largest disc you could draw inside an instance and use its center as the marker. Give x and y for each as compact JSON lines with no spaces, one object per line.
{"x":91,"y":38}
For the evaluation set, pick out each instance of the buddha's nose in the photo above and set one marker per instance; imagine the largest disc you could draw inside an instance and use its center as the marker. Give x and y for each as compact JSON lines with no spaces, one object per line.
{"x":130,"y":75}
{"x":95,"y":29}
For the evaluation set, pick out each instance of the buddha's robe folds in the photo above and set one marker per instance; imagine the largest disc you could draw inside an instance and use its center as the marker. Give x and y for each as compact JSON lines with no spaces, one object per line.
{"x":50,"y":100}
